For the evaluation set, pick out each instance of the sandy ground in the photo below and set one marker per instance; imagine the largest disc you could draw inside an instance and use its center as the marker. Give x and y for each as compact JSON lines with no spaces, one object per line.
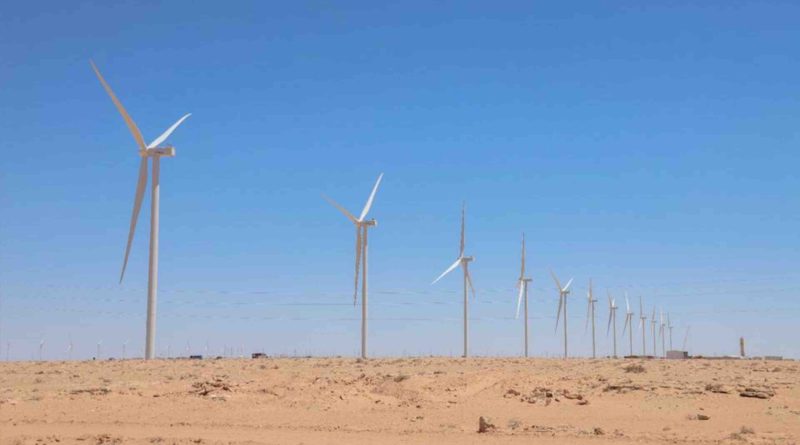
{"x":389,"y":401}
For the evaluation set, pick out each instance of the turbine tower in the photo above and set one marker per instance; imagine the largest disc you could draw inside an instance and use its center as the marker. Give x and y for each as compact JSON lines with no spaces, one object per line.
{"x":590,"y":301}
{"x":628,"y":323}
{"x":464,"y":262}
{"x":612,"y":320}
{"x":563,"y":292}
{"x":642,"y":322}
{"x":362,"y":226}
{"x":662,"y":332}
{"x":669,"y":326}
{"x":653,"y":324}
{"x":522,"y":284}
{"x":155,"y":152}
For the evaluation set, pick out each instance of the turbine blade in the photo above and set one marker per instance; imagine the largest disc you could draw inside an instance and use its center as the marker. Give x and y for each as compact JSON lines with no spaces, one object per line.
{"x":463,"y":223}
{"x":610,"y":313}
{"x":558,"y":314}
{"x":469,"y":281}
{"x":625,"y":326}
{"x":341,"y":209}
{"x":368,"y":205}
{"x":627,"y":304}
{"x":641,"y":308}
{"x":137,"y":206}
{"x":519,"y":298}
{"x":358,"y":263}
{"x":558,"y":283}
{"x":588,"y":313}
{"x":449,"y":269}
{"x":169,"y":131}
{"x":569,"y":283}
{"x":137,"y":135}
{"x":522,"y":272}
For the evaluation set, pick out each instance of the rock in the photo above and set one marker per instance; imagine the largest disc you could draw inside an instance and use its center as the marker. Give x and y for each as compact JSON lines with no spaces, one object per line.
{"x":717,"y":388}
{"x":485,"y":425}
{"x":756,"y":393}
{"x":703,"y":417}
{"x":599,"y":431}
{"x":583,"y":402}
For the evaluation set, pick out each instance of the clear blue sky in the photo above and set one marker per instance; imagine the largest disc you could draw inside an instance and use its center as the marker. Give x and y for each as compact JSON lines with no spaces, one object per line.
{"x":650,"y":147}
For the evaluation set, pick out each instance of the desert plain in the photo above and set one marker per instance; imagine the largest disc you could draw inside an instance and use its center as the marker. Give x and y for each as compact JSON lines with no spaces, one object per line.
{"x":400,"y":401}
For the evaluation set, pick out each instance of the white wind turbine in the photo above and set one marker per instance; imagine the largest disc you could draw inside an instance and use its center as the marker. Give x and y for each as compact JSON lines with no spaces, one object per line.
{"x":41,"y":349}
{"x":628,"y":322}
{"x":653,"y":323}
{"x":155,"y":152}
{"x":522,"y":284}
{"x":669,"y":326}
{"x":612,"y":320}
{"x":642,"y":321}
{"x":362,"y":226}
{"x":590,"y":313}
{"x":662,"y":332}
{"x":464,"y":262}
{"x":563,"y":292}
{"x":69,"y":348}
{"x":99,"y":349}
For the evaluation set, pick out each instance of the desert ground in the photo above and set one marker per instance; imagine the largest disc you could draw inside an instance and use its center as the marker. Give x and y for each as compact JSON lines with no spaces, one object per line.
{"x":392,"y":401}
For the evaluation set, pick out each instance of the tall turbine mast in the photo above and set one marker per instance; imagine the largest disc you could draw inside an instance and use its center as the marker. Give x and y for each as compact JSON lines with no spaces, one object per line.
{"x":628,"y":323}
{"x":653,"y":324}
{"x":522,"y":284}
{"x":612,"y":320}
{"x":361,"y":225}
{"x":563,"y":292}
{"x":662,"y":332}
{"x":669,"y":326}
{"x":642,"y":321}
{"x":155,"y":152}
{"x":463,"y":261}
{"x":590,"y":301}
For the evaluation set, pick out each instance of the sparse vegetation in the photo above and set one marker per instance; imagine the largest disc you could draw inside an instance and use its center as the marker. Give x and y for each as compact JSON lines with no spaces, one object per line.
{"x":635,"y":368}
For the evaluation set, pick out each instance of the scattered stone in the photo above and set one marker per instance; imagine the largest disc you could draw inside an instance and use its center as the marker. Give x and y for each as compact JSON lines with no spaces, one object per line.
{"x":512,"y":392}
{"x":583,"y":402}
{"x":756,"y":393}
{"x":717,"y":388}
{"x":635,"y":368}
{"x":599,"y":431}
{"x":91,"y":391}
{"x":485,"y":425}
{"x":703,"y":417}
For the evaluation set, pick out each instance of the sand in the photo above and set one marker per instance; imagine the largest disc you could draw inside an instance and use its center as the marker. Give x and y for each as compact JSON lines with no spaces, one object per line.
{"x":391,"y":401}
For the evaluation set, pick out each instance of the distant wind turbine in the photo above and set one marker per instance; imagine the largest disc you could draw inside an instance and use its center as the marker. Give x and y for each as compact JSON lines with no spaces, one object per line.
{"x":612,"y":320}
{"x":463,"y":261}
{"x":522,"y":284}
{"x":69,"y":348}
{"x":99,"y":349}
{"x":662,"y":332}
{"x":41,"y":349}
{"x":155,"y":151}
{"x":590,"y":301}
{"x":628,"y":323}
{"x":642,"y":322}
{"x":563,"y":292}
{"x":362,"y":227}
{"x":653,"y":323}
{"x":686,"y":338}
{"x":124,"y":349}
{"x":669,"y":326}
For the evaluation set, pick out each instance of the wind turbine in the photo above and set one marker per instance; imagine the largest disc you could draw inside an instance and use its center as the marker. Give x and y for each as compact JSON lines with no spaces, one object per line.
{"x":642,"y":321}
{"x":362,"y":227}
{"x":124,"y":348}
{"x":155,"y":152}
{"x":99,"y":346}
{"x":522,"y":284}
{"x":69,"y":348}
{"x":563,"y":292}
{"x":686,"y":337}
{"x":612,"y":320}
{"x":628,"y":322}
{"x":669,"y":326}
{"x":41,"y":349}
{"x":662,"y":332}
{"x":590,"y":313}
{"x":464,"y":262}
{"x":653,"y":323}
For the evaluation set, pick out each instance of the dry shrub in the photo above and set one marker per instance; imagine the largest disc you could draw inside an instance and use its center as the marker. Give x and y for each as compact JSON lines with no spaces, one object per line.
{"x":635,"y":368}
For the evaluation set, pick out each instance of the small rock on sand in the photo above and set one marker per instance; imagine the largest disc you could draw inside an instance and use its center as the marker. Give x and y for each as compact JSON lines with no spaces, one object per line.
{"x":485,"y":425}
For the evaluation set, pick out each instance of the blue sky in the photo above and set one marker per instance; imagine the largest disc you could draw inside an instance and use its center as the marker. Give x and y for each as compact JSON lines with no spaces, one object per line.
{"x":650,"y":147}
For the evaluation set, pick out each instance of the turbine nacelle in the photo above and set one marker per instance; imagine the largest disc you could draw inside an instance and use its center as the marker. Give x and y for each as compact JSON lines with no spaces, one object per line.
{"x":165,"y":151}
{"x":467,"y":259}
